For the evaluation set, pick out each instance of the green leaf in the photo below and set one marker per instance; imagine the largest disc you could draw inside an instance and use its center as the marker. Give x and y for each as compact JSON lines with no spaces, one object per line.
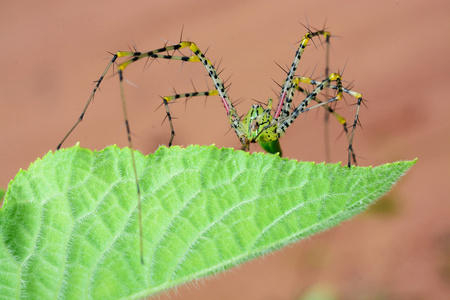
{"x":69,"y":225}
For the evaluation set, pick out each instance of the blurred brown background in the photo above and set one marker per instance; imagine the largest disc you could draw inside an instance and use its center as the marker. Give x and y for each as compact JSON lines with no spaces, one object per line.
{"x":397,"y":54}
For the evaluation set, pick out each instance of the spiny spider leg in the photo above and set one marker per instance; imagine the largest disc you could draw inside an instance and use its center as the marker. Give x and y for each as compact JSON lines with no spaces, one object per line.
{"x":283,"y":123}
{"x":130,"y":145}
{"x":287,"y":93}
{"x":358,"y":96}
{"x":198,"y":56}
{"x":91,"y":97}
{"x":167,"y":99}
{"x":288,"y":87}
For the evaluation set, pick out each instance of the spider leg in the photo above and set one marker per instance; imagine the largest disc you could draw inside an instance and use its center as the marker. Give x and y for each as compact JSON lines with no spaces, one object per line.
{"x":198,"y":56}
{"x":167,"y":99}
{"x":342,"y":120}
{"x":288,"y":87}
{"x":91,"y":97}
{"x":283,"y":123}
{"x":127,"y":125}
{"x":133,"y":160}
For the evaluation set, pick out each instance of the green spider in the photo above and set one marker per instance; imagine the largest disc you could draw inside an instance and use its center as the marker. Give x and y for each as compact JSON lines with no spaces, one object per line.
{"x":258,"y":125}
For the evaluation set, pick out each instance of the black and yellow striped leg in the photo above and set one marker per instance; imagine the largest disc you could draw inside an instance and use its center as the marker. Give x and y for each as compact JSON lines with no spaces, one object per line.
{"x":167,"y":99}
{"x":287,"y":89}
{"x":340,"y":90}
{"x":198,"y":56}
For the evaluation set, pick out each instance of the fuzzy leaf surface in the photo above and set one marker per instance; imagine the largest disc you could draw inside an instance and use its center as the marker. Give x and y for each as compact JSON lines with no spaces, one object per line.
{"x":69,"y":225}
